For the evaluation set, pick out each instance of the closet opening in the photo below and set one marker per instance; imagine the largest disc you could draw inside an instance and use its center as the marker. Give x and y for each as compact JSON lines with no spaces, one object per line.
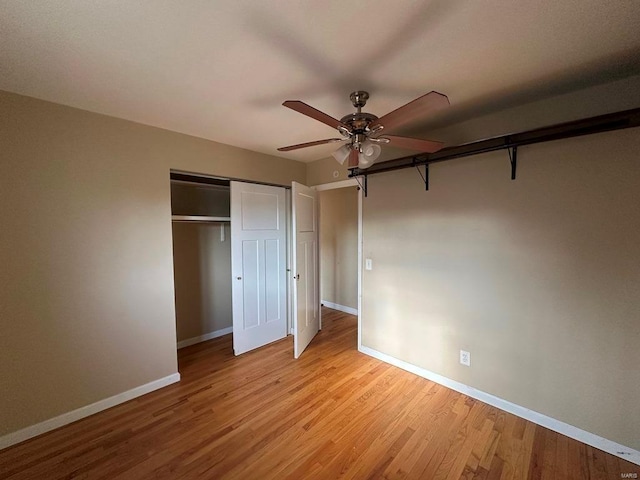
{"x":200,"y":214}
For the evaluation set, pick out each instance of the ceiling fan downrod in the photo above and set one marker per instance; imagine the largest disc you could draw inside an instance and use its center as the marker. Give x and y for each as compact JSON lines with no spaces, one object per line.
{"x":359,"y":99}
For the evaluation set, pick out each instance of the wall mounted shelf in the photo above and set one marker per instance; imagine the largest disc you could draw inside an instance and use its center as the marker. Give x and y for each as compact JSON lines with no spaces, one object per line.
{"x":198,"y":218}
{"x":511,"y":142}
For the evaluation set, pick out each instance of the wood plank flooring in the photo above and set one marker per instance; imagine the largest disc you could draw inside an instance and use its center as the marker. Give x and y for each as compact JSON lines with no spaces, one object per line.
{"x":334,"y":413}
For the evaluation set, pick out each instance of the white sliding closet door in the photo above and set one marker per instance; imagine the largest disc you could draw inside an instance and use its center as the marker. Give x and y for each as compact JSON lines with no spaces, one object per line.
{"x":258,"y":265}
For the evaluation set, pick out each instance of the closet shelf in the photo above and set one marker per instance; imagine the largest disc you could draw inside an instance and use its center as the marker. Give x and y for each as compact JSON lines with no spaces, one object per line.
{"x":198,"y":218}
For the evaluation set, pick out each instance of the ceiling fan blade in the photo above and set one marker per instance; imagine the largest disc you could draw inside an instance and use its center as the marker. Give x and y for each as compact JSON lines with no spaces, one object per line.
{"x":309,"y":144}
{"x":314,"y":113}
{"x":417,"y":108}
{"x":353,"y":159}
{"x":426,"y":146}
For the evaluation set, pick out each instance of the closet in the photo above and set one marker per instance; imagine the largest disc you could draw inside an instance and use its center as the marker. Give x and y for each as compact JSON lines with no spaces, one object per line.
{"x":233,"y":245}
{"x":200,"y":214}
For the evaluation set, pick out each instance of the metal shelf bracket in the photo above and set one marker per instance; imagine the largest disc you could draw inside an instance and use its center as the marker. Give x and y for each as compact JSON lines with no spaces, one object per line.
{"x":363,"y":185}
{"x":513,"y":158}
{"x":425,"y":177}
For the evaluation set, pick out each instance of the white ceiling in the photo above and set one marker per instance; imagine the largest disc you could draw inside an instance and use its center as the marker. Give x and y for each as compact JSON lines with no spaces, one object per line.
{"x":221,"y":69}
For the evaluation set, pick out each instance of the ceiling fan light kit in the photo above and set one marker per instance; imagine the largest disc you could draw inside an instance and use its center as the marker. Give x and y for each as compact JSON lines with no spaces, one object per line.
{"x":369,"y":153}
{"x":362,"y":131}
{"x":342,"y":154}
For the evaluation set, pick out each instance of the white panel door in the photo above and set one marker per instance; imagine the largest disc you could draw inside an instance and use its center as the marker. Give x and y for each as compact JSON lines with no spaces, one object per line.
{"x":306,"y":308}
{"x":258,"y":265}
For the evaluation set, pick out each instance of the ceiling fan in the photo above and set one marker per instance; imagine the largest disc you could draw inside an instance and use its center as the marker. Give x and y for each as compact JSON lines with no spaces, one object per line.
{"x":363,"y":132}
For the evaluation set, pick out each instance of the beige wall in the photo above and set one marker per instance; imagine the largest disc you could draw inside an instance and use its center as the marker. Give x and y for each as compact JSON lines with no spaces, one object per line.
{"x":538,"y":278}
{"x":86,"y":284}
{"x":324,"y":171}
{"x":339,"y":246}
{"x":202,"y":272}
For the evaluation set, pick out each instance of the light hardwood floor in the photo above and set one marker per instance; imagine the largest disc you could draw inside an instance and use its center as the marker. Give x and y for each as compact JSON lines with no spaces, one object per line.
{"x":334,"y":413}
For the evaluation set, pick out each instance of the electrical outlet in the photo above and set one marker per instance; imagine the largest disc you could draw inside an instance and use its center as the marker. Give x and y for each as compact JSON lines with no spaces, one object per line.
{"x":368,"y":264}
{"x":465,"y":358}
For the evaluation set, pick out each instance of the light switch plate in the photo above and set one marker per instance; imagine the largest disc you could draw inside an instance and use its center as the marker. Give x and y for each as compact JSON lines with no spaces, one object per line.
{"x":368,"y":264}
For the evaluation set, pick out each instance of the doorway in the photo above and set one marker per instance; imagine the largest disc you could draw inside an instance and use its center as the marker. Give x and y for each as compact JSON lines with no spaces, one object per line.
{"x":341,"y":246}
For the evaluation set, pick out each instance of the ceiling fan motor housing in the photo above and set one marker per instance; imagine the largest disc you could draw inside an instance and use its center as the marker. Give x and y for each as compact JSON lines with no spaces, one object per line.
{"x":358,"y":122}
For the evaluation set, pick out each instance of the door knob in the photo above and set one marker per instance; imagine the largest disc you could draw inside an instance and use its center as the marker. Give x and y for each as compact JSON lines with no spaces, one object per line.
{"x":298,"y":277}
{"x":239,"y":278}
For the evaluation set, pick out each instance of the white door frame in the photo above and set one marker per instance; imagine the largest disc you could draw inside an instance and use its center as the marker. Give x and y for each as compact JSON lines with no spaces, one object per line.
{"x":351,"y":182}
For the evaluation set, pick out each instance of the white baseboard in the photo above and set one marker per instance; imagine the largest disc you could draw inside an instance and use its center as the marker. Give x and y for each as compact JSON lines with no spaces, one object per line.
{"x":82,"y":412}
{"x":583,"y":436}
{"x":342,"y":308}
{"x":205,"y":337}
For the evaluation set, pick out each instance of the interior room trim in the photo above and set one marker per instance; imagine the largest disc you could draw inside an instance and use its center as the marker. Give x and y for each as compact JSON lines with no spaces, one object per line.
{"x":351,"y":182}
{"x":570,"y":431}
{"x":203,"y":338}
{"x":82,"y":412}
{"x":342,"y":308}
